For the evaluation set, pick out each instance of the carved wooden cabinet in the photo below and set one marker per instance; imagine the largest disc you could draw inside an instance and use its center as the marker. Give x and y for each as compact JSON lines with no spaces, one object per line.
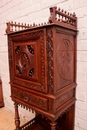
{"x":1,"y":95}
{"x":42,"y":62}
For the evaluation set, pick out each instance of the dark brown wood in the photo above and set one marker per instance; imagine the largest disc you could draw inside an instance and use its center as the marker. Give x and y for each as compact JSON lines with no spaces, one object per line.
{"x":62,"y":17}
{"x":53,"y":125}
{"x":17,"y":119}
{"x":42,"y":63}
{"x":1,"y":95}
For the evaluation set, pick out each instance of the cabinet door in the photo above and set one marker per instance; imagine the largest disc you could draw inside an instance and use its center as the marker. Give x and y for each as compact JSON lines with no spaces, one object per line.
{"x":27,"y":59}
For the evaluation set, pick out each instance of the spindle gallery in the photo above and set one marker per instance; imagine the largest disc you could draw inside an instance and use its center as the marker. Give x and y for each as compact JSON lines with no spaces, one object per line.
{"x":42,"y":63}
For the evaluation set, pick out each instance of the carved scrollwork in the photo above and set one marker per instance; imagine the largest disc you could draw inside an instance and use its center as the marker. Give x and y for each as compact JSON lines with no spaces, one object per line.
{"x":27,"y":36}
{"x":50,"y":59}
{"x":10,"y":48}
{"x":27,"y":84}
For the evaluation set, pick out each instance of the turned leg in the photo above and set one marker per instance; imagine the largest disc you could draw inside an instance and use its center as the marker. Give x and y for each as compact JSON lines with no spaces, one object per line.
{"x":17,"y":119}
{"x":53,"y":125}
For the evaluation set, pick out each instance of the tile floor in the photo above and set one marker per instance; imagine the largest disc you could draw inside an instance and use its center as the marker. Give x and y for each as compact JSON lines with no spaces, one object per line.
{"x":7,"y":119}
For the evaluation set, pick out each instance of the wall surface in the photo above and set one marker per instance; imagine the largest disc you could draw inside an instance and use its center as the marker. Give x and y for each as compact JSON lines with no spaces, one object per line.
{"x":29,"y":11}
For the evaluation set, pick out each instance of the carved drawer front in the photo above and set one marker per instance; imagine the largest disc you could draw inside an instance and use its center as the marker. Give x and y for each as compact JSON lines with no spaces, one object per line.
{"x":29,"y":98}
{"x":27,"y":56}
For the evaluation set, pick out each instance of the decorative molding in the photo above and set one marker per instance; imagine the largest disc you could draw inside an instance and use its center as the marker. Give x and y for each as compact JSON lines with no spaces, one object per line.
{"x":50,"y":60}
{"x":10,"y":49}
{"x":27,"y":84}
{"x":27,"y":36}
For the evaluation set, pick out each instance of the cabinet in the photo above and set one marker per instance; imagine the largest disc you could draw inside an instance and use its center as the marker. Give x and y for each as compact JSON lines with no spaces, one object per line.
{"x":42,"y":63}
{"x":1,"y":95}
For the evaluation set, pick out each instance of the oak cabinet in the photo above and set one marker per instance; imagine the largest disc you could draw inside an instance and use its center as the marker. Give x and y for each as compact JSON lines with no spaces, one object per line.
{"x":42,"y":63}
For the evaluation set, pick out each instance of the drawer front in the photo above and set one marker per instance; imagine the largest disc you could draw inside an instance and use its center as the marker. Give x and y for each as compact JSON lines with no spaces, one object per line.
{"x":29,"y":98}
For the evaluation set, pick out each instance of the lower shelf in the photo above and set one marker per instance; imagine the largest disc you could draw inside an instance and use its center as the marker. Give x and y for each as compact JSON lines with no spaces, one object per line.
{"x":64,"y":122}
{"x":33,"y":125}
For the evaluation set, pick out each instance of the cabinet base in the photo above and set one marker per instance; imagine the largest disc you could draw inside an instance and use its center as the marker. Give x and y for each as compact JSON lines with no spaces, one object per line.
{"x":34,"y":124}
{"x":65,"y":122}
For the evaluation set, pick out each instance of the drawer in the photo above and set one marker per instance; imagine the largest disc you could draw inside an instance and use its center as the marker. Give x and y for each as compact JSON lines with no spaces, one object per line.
{"x":30,"y":99}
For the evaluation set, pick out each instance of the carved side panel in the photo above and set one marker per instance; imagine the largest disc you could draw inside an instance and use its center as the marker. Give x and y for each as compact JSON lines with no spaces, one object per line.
{"x":65,"y":61}
{"x":50,"y":77}
{"x":27,"y":58}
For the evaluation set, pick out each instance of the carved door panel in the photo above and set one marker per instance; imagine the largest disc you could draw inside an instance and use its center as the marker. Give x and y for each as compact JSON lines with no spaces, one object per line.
{"x":27,"y":60}
{"x":26,"y":65}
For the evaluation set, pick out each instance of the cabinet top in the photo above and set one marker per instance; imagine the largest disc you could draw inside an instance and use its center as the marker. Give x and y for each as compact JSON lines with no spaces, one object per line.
{"x":57,"y":17}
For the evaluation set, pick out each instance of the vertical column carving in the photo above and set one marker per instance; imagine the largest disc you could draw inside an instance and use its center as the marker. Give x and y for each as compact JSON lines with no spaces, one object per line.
{"x":10,"y":50}
{"x":50,"y":59}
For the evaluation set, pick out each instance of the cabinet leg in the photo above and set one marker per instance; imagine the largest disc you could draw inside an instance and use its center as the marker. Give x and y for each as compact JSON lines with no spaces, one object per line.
{"x":17,"y":119}
{"x":53,"y":125}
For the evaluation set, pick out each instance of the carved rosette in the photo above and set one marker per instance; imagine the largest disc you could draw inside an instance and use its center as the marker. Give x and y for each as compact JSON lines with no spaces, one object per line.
{"x":50,"y":60}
